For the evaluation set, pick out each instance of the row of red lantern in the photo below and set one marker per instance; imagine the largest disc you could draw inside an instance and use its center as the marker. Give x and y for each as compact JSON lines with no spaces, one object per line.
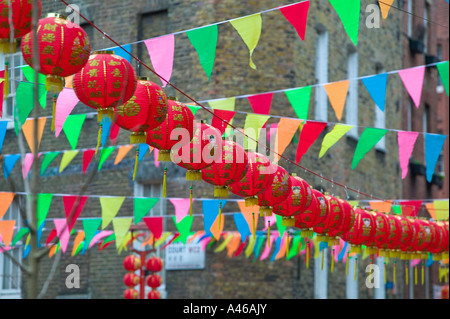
{"x":131,"y":280}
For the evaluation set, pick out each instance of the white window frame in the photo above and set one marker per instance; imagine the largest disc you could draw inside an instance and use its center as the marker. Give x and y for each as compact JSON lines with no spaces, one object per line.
{"x":321,"y":111}
{"x":410,"y":18}
{"x":352,"y":99}
{"x":380,"y":121}
{"x":351,"y":287}
{"x":426,"y":14}
{"x":321,"y":276}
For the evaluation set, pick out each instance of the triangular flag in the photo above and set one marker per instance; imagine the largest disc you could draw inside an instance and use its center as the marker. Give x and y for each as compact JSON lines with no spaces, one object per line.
{"x":369,"y":138}
{"x":43,"y":205}
{"x":25,"y":99}
{"x":161,"y":51}
{"x":77,"y":243}
{"x":65,"y":103}
{"x":30,"y":74}
{"x":121,"y":227}
{"x":100,"y":235}
{"x":69,"y":202}
{"x":281,"y":242}
{"x":297,"y":15}
{"x":9,"y":162}
{"x":182,"y":206}
{"x":382,"y":207}
{"x":249,"y":28}
{"x":3,"y":128}
{"x":257,"y":248}
{"x":114,"y":132}
{"x":441,"y":208}
{"x":110,"y":208}
{"x":28,"y":130}
{"x":106,"y":129}
{"x":433,"y":147}
{"x":184,"y":228}
{"x":233,"y":245}
{"x":62,"y":232}
{"x":47,"y":160}
{"x":122,"y":52}
{"x":293,"y":251}
{"x":155,"y":225}
{"x":228,"y":104}
{"x":2,"y":89}
{"x":67,"y":157}
{"x":104,"y":154}
{"x":217,"y":226}
{"x":250,"y":246}
{"x":337,"y":93}
{"x":143,"y":149}
{"x":376,"y":85}
{"x":348,"y":11}
{"x":5,"y":201}
{"x":242,"y":226}
{"x":87,"y":158}
{"x":431,"y":210}
{"x":385,"y":6}
{"x":268,"y":247}
{"x":339,"y":130}
{"x":142,"y":206}
{"x":397,"y":209}
{"x":204,"y":41}
{"x":26,"y":165}
{"x":220,"y":119}
{"x":261,"y":103}
{"x":411,"y":207}
{"x":222,"y":246}
{"x":281,"y":228}
{"x":285,"y":132}
{"x":443,"y":73}
{"x":72,"y":128}
{"x":20,"y":234}
{"x":90,"y":227}
{"x":406,"y":142}
{"x":249,"y":213}
{"x":6,"y":231}
{"x":122,"y":152}
{"x":252,"y":128}
{"x":210,"y":213}
{"x":413,"y":80}
{"x":310,"y":133}
{"x":300,"y":100}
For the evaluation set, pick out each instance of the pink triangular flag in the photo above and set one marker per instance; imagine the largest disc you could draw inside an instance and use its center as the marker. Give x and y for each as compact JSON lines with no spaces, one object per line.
{"x":114,"y":132}
{"x":406,"y":142}
{"x":297,"y":15}
{"x":156,"y":155}
{"x":87,"y":158}
{"x":27,"y":163}
{"x":261,"y":103}
{"x":155,"y":225}
{"x":266,"y":251}
{"x":65,"y":103}
{"x":310,"y":132}
{"x":99,"y":236}
{"x":413,"y":80}
{"x":220,"y":118}
{"x":273,"y":221}
{"x":62,"y":232}
{"x":69,"y":202}
{"x":161,"y":51}
{"x":181,"y":208}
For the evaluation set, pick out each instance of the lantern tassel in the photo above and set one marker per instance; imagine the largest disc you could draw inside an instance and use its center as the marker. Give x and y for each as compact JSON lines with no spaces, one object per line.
{"x":307,"y":254}
{"x":54,"y":112}
{"x":347,"y":265}
{"x":423,"y":274}
{"x":321,"y":266}
{"x":385,"y":276}
{"x":356,"y":268}
{"x":6,"y":82}
{"x":136,"y":162}
{"x":251,"y":201}
{"x":268,"y":235}
{"x":99,"y":139}
{"x":193,"y":175}
{"x":54,"y":83}
{"x":164,"y":191}
{"x":287,"y":244}
{"x":395,"y":266}
{"x":254,"y":226}
{"x":440,"y":273}
{"x":221,"y":191}
{"x":332,"y":260}
{"x":415,"y":275}
{"x":190,"y":203}
{"x":220,"y":214}
{"x":407,"y":273}
{"x":164,"y":156}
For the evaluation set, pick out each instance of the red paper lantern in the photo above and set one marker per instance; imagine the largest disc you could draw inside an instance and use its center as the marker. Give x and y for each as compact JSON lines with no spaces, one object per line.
{"x":436,"y":240}
{"x":106,"y":82}
{"x":333,"y":221}
{"x":180,"y":118}
{"x":231,"y":169}
{"x":441,"y":251}
{"x":154,"y":264}
{"x":257,"y":179}
{"x":395,"y":234}
{"x":144,"y":111}
{"x":132,"y":263}
{"x":407,"y":238}
{"x":382,"y":233}
{"x":424,"y":237}
{"x":277,"y":193}
{"x":362,"y":232}
{"x":131,"y":279}
{"x":200,"y":153}
{"x":154,"y":294}
{"x":154,"y":281}
{"x":21,"y":17}
{"x":348,"y":221}
{"x":315,"y":213}
{"x":131,"y":294}
{"x":298,"y":200}
{"x":64,"y":49}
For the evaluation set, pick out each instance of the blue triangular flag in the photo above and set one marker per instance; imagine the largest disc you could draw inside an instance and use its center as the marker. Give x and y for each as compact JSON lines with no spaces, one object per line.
{"x":106,"y":129}
{"x":242,"y":226}
{"x":277,"y":248}
{"x":343,"y":251}
{"x":39,"y":234}
{"x":433,"y":147}
{"x":3,"y":126}
{"x":143,"y":149}
{"x":120,"y":52}
{"x":8,"y":165}
{"x":376,"y":85}
{"x":210,"y":213}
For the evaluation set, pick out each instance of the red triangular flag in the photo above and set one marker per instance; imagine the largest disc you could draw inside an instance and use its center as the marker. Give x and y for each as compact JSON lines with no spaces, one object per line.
{"x":69,"y":202}
{"x":50,"y":237}
{"x":297,"y":15}
{"x":114,"y":132}
{"x":310,"y":132}
{"x":87,"y":158}
{"x":261,"y":103}
{"x":240,"y":249}
{"x":218,"y":121}
{"x":155,"y":225}
{"x":411,"y":208}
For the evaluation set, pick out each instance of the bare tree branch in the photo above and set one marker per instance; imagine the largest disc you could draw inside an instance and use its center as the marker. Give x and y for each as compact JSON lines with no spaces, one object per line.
{"x":50,"y":276}
{"x":24,"y":268}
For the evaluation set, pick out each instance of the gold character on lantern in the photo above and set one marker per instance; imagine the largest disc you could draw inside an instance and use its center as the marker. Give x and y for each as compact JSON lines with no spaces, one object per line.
{"x":50,"y":27}
{"x":116,"y":73}
{"x":50,"y":37}
{"x":366,"y":227}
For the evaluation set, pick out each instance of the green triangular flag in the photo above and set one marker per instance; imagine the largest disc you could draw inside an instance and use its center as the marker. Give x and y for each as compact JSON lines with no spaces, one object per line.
{"x":299,"y":99}
{"x":109,"y":239}
{"x":43,"y":205}
{"x":46,"y":161}
{"x":204,"y":41}
{"x":259,"y":244}
{"x":294,"y":248}
{"x":110,"y":208}
{"x":397,"y":209}
{"x":369,"y":138}
{"x":194,"y":108}
{"x":184,"y":228}
{"x":142,"y":207}
{"x":20,"y":234}
{"x":17,"y":124}
{"x":29,"y":74}
{"x":25,"y":99}
{"x":68,"y":156}
{"x":280,"y":226}
{"x":90,"y":227}
{"x":104,"y":154}
{"x":79,"y":248}
{"x":72,"y":128}
{"x":349,"y":11}
{"x":121,"y":227}
{"x":333,"y":137}
{"x":443,"y":73}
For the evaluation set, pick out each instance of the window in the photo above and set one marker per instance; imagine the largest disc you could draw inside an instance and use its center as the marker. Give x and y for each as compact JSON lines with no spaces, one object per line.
{"x":409,"y":116}
{"x":425,"y":123}
{"x":425,"y":26}
{"x":380,"y":118}
{"x":15,"y":76}
{"x":321,"y":75}
{"x":410,"y":18}
{"x":10,"y":274}
{"x":352,"y":99}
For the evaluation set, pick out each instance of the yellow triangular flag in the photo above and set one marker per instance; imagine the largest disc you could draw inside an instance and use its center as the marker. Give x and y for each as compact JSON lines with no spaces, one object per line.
{"x":123,"y":151}
{"x":441,"y":209}
{"x":250,"y":246}
{"x":67,"y":157}
{"x":121,"y":227}
{"x":249,"y":28}
{"x":252,"y":127}
{"x":110,"y":208}
{"x":337,"y":93}
{"x":123,"y":245}
{"x":227,"y":104}
{"x":28,"y":129}
{"x":222,"y":246}
{"x":385,"y":6}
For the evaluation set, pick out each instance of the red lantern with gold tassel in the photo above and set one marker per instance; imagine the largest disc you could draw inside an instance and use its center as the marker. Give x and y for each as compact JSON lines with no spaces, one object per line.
{"x":230,"y":169}
{"x":424,"y":237}
{"x":298,"y":200}
{"x":154,"y":264}
{"x":131,"y":280}
{"x":64,"y":49}
{"x":391,"y":246}
{"x":131,"y":294}
{"x":154,"y":294}
{"x":362,"y":232}
{"x":407,"y":238}
{"x":348,"y":221}
{"x":315,"y":213}
{"x":258,"y":178}
{"x":131,"y":263}
{"x":440,"y":250}
{"x":154,"y":281}
{"x":333,"y":221}
{"x":278,"y":192}
{"x":382,"y":232}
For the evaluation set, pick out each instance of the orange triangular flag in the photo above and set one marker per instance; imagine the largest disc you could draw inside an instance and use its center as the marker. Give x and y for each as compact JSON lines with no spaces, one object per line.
{"x":69,"y":81}
{"x":337,"y":93}
{"x":431,"y":211}
{"x":7,"y":230}
{"x":385,"y":6}
{"x":233,"y":245}
{"x":78,"y":239}
{"x":382,"y":207}
{"x":28,"y":131}
{"x":123,"y":151}
{"x":215,"y":230}
{"x":248,"y":214}
{"x":285,"y":132}
{"x":5,"y":201}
